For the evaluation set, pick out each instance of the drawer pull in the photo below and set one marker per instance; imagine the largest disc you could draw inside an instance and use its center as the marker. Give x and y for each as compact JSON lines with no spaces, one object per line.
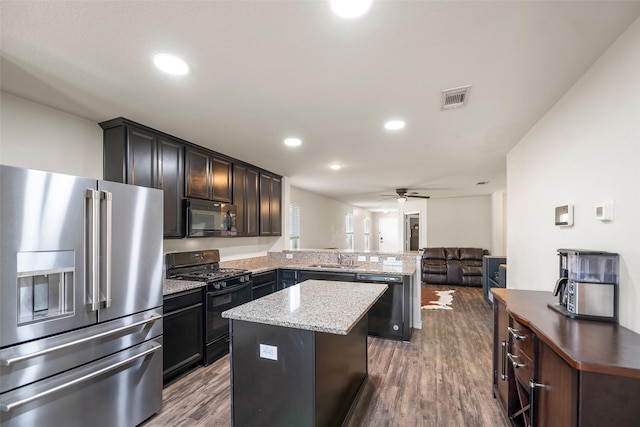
{"x":515,"y":363}
{"x":516,"y":334}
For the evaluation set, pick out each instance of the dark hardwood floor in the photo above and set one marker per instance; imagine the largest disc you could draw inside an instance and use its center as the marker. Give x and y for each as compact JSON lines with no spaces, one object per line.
{"x":441,"y":378}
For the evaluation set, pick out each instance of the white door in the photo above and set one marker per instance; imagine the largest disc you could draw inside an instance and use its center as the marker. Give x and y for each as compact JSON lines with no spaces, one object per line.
{"x":388,"y":238}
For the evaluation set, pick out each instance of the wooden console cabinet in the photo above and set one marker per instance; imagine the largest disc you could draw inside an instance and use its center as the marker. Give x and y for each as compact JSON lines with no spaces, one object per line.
{"x":549,"y":370}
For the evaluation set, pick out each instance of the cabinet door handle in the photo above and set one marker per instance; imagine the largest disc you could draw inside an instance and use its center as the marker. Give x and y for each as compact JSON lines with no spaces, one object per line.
{"x":516,"y":334}
{"x":503,"y":375}
{"x":515,"y":364}
{"x":533,"y":401}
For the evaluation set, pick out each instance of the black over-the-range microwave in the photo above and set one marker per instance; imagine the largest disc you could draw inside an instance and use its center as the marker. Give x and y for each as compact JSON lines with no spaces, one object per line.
{"x":205,"y":218}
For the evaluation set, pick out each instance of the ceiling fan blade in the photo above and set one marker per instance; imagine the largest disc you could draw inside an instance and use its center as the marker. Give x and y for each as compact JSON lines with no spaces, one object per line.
{"x":419,"y":197}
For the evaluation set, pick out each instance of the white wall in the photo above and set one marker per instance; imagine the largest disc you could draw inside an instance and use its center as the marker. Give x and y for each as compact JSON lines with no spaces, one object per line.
{"x":323,"y":221}
{"x":499,"y":223}
{"x":584,"y":151}
{"x":460,"y":222}
{"x":37,"y":137}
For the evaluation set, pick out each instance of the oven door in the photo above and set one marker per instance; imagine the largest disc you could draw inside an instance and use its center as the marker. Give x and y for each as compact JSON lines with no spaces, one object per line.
{"x":217,"y":327}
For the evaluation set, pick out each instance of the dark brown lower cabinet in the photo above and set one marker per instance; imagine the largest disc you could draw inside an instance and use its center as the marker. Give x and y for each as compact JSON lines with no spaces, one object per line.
{"x":264,"y":284}
{"x":555,"y":391}
{"x":183,"y":335}
{"x":552,"y":371}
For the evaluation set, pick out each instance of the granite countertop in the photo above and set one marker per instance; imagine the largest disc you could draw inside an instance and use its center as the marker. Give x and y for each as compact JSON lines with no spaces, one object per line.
{"x":172,"y":286}
{"x":314,"y":305}
{"x":264,"y":264}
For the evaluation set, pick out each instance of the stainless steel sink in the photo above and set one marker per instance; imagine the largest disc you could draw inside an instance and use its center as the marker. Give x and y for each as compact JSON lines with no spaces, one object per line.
{"x":336,"y":266}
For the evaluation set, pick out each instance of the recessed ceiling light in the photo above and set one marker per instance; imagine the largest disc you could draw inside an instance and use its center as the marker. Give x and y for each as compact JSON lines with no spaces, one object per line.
{"x":335,"y":166}
{"x":292,"y":142}
{"x":350,"y":9}
{"x":171,"y":64}
{"x":394,"y":125}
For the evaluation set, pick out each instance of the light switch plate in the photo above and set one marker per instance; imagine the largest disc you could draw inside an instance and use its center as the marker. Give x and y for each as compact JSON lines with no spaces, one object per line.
{"x":268,"y":352}
{"x":362,"y":258}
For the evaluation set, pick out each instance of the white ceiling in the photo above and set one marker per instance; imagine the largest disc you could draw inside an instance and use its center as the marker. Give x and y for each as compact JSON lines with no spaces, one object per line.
{"x":265,"y":70}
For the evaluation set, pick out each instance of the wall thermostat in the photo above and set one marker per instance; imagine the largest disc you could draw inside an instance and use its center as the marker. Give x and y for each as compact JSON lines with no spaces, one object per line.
{"x":564,"y":215}
{"x":604,"y":212}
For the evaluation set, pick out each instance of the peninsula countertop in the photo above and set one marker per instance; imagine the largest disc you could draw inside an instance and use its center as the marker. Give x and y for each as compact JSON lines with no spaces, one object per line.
{"x":314,"y":305}
{"x":264,"y":264}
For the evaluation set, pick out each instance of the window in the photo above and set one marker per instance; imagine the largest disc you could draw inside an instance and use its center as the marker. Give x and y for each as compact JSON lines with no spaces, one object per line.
{"x":367,"y":234}
{"x":349,"y":228}
{"x":294,"y":226}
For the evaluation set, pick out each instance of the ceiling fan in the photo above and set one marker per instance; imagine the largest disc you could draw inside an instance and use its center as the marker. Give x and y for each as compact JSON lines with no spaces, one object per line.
{"x":403,"y":193}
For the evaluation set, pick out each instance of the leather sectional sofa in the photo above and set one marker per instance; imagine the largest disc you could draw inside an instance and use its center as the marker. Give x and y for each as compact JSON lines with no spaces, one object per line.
{"x":452,"y":266}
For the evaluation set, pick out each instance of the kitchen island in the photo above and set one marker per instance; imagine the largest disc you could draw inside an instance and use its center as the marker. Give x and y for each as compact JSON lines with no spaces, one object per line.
{"x":299,"y":355}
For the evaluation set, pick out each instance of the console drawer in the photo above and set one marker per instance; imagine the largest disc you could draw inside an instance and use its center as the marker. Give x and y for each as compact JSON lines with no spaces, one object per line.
{"x":521,"y":355}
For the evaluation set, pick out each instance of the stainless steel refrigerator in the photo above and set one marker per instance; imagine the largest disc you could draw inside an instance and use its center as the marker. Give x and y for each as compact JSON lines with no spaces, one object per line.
{"x":80,"y":301}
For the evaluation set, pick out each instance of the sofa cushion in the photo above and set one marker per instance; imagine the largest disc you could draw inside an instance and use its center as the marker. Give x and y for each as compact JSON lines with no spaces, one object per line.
{"x":434,"y":267}
{"x":435,"y":279}
{"x":472,"y":280}
{"x":471,"y":253}
{"x":433,"y":253}
{"x":470,"y":270}
{"x":452,"y":253}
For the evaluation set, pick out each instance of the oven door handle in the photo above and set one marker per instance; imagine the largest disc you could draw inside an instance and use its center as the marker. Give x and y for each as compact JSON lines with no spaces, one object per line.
{"x":229,"y":290}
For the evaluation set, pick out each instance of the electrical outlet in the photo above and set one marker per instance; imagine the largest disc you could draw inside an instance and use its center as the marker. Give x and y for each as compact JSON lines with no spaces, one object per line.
{"x":373,"y":258}
{"x":362,"y":258}
{"x":288,"y":256}
{"x":268,"y":352}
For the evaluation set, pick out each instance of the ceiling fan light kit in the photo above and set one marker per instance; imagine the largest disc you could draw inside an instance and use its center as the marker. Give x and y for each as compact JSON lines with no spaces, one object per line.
{"x":402,"y":194}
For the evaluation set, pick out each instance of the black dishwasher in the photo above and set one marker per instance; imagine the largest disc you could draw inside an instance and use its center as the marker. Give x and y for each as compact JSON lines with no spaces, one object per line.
{"x":387,"y":318}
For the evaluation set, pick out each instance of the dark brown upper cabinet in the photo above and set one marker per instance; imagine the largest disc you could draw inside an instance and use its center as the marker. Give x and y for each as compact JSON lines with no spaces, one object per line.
{"x":207,"y":176}
{"x":270,"y":205}
{"x":245,"y":197}
{"x":137,"y":155}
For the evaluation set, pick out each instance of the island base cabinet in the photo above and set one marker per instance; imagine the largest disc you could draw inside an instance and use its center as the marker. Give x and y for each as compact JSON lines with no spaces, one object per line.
{"x":292,"y":377}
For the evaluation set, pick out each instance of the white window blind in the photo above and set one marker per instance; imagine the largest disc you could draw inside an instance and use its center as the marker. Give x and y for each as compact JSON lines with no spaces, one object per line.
{"x":349,"y":228}
{"x":294,"y":226}
{"x":367,"y":234}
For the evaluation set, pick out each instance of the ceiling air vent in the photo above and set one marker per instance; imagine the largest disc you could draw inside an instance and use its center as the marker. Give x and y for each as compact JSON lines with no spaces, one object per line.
{"x":455,"y":98}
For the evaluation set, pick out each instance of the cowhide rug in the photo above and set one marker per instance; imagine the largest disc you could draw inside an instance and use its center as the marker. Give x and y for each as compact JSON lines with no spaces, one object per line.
{"x":436,"y":300}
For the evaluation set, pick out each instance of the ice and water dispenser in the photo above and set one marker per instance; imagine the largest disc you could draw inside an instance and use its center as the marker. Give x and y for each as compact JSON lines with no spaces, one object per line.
{"x":45,"y":285}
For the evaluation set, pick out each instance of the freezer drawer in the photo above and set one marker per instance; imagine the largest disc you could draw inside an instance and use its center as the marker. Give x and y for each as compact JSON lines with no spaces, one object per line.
{"x":123,"y":389}
{"x":26,"y":363}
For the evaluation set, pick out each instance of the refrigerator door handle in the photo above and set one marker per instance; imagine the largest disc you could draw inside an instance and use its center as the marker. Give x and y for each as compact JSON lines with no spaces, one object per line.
{"x":12,"y":360}
{"x":106,"y":228}
{"x":9,"y":406}
{"x":92,"y":249}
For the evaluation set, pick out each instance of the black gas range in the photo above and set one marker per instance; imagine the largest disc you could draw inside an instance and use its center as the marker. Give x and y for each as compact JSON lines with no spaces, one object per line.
{"x":225,"y":288}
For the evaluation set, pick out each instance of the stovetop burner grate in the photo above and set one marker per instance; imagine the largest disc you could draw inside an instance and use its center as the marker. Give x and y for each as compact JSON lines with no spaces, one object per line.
{"x":212,"y":275}
{"x":202,"y":266}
